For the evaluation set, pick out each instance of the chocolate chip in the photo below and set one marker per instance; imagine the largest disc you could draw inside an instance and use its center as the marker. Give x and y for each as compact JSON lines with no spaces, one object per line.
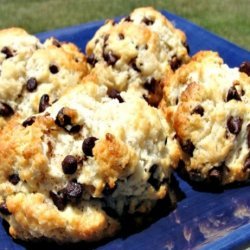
{"x":7,"y":52}
{"x":114,"y":94}
{"x":175,"y":63}
{"x":4,"y":209}
{"x":110,"y":58}
{"x":155,"y":183}
{"x":245,"y":67}
{"x":75,"y":129}
{"x":188,"y":147}
{"x":29,"y":121}
{"x":14,"y":179}
{"x":195,"y":175}
{"x":92,"y":60}
{"x":31,"y":84}
{"x":150,"y":85}
{"x":69,"y":164}
{"x":166,"y":141}
{"x":248,"y":135}
{"x":185,"y":44}
{"x":134,"y":66}
{"x":44,"y":103}
{"x":53,"y":69}
{"x":121,"y":36}
{"x":59,"y":199}
{"x":5,"y":110}
{"x":233,"y":94}
{"x":56,"y":43}
{"x":215,"y":175}
{"x":108,"y":191}
{"x":128,"y":19}
{"x":88,"y":145}
{"x":73,"y":191}
{"x":62,"y":119}
{"x":234,"y":124}
{"x":198,"y":110}
{"x":147,"y":21}
{"x":105,"y":38}
{"x":247,"y":164}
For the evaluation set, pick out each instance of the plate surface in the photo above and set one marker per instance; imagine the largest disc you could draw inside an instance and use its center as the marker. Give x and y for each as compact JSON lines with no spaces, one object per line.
{"x":202,"y":220}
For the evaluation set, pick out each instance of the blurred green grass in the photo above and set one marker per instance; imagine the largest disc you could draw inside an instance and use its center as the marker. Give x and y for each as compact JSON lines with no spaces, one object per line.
{"x":227,"y":18}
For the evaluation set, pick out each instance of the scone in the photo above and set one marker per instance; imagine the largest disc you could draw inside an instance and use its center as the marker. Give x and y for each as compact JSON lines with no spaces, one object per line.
{"x":134,"y":56}
{"x":208,"y":105}
{"x":71,"y":172}
{"x":33,"y":75}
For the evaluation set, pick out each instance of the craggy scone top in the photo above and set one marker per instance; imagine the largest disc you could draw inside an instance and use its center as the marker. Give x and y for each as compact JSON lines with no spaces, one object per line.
{"x":207,"y":103}
{"x":91,"y":155}
{"x":34,"y":75}
{"x":137,"y":53}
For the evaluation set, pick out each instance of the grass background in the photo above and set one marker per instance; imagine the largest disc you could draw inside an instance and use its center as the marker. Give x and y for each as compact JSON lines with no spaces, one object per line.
{"x":227,"y":18}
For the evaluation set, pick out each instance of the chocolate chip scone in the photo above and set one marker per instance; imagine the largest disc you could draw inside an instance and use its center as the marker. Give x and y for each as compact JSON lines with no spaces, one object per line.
{"x":33,"y":75}
{"x":208,"y":104}
{"x":71,"y":172}
{"x":134,"y":56}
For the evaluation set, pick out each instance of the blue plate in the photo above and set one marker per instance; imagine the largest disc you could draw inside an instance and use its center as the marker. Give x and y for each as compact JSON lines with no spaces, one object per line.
{"x":202,"y":220}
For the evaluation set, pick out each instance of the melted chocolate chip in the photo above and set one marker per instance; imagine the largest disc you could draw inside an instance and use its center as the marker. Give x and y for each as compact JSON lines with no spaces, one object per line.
{"x":175,"y":63}
{"x":147,"y":21}
{"x":44,"y":103}
{"x":7,"y":52}
{"x":75,"y":129}
{"x":150,"y":85}
{"x":31,"y":84}
{"x":134,"y":66}
{"x":121,"y":36}
{"x":188,"y":147}
{"x":248,"y":135}
{"x":155,"y":183}
{"x":234,"y":124}
{"x":88,"y":145}
{"x":245,"y":67}
{"x":4,"y":209}
{"x":114,"y":94}
{"x":128,"y":19}
{"x":56,"y":43}
{"x":29,"y":121}
{"x":233,"y":94}
{"x":73,"y":191}
{"x":198,"y":110}
{"x":92,"y":60}
{"x":14,"y":179}
{"x":69,"y":164}
{"x":110,"y":58}
{"x":53,"y":69}
{"x":5,"y":110}
{"x":59,"y":200}
{"x":215,"y":175}
{"x":62,"y":119}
